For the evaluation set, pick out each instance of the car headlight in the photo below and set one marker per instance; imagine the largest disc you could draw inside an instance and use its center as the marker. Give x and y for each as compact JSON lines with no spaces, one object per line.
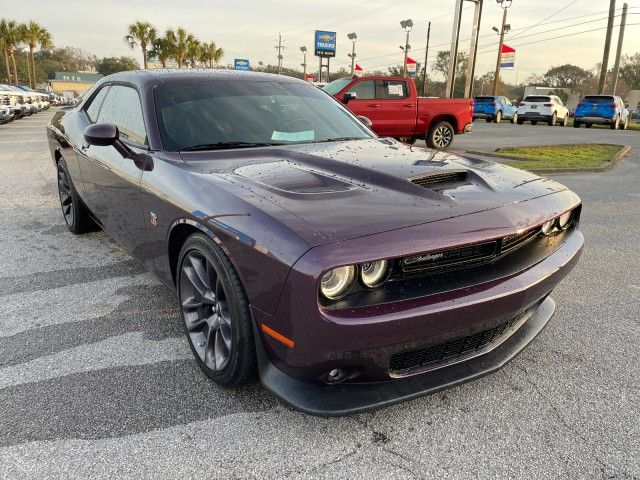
{"x":337,"y":281}
{"x":373,"y":274}
{"x":547,"y":227}
{"x":564,"y":220}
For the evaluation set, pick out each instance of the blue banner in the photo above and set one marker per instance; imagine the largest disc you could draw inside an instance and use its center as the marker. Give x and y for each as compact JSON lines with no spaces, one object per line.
{"x":241,"y":64}
{"x":325,"y":43}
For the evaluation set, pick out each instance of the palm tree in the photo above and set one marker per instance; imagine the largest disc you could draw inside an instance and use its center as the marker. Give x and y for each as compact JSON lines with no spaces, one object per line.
{"x":194,"y":52}
{"x":143,"y":34}
{"x":180,"y":40}
{"x":162,"y":49}
{"x":34,"y":35}
{"x":211,"y":53}
{"x":11,"y":35}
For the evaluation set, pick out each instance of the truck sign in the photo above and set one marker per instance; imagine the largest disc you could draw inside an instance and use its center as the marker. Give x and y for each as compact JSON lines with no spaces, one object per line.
{"x":325,"y":43}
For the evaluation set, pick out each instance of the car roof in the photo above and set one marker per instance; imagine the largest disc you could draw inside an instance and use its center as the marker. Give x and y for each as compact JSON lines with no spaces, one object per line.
{"x":142,"y":78}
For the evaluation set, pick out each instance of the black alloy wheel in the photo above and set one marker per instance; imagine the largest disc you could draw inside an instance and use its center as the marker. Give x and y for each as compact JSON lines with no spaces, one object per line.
{"x":76,"y":215}
{"x":66,"y":195}
{"x":215,"y":312}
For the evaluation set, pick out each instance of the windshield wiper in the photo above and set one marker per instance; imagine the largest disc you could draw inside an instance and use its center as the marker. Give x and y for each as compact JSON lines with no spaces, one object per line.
{"x":218,"y":145}
{"x":338,"y":139}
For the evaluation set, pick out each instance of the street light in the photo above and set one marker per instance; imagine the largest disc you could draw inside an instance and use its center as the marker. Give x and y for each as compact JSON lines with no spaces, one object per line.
{"x":352,"y":36}
{"x":505,"y":4}
{"x":304,"y":61}
{"x":407,"y":25}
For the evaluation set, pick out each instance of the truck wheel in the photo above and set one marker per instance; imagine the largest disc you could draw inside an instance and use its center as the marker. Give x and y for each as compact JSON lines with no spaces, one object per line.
{"x":514,"y":119}
{"x":440,"y":135}
{"x":498,"y":118}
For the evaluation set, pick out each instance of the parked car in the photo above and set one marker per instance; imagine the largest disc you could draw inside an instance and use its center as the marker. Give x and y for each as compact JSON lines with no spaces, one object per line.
{"x":350,"y":271}
{"x":17,"y":99}
{"x":393,"y":107}
{"x":602,"y":110}
{"x":543,"y":108}
{"x":40,"y":99}
{"x":6,"y":114}
{"x":494,"y":109}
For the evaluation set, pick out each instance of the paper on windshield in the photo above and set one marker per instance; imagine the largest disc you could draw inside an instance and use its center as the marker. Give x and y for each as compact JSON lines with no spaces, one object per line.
{"x":303,"y":136}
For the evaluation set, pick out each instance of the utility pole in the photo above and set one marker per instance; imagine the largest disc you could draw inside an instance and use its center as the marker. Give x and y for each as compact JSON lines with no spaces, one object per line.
{"x":607,"y":46}
{"x":426,"y":57}
{"x":407,"y":25}
{"x":304,"y":62}
{"x":496,"y":75}
{"x":616,"y":68}
{"x":471,"y":70}
{"x":352,"y":55}
{"x":279,"y":47}
{"x":453,"y":53}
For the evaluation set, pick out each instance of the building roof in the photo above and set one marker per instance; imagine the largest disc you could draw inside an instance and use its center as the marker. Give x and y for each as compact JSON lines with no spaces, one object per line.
{"x":77,"y":77}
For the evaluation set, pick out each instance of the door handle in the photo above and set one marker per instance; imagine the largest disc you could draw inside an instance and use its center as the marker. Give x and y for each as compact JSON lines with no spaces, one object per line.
{"x":374,"y":105}
{"x":408,"y":105}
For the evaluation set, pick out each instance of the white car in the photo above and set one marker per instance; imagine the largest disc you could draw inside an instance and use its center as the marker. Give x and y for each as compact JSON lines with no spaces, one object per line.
{"x":543,"y":108}
{"x":17,"y":99}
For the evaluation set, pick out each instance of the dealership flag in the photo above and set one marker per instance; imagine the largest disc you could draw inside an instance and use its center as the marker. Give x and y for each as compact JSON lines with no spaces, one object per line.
{"x":508,"y":57}
{"x":411,"y":67}
{"x":358,"y":69}
{"x":309,"y":77}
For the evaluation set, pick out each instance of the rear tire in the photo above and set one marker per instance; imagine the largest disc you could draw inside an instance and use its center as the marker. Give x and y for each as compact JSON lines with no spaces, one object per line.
{"x":552,"y":120}
{"x":588,"y":125}
{"x":215,"y":310}
{"x":440,"y":135}
{"x":534,"y":122}
{"x":489,"y":120}
{"x":615,"y":125}
{"x":576,"y":124}
{"x":520,"y":122}
{"x":75,"y":214}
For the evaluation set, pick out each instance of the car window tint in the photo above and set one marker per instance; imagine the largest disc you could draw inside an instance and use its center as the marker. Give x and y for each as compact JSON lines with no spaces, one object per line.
{"x":122,"y":108}
{"x":94,"y":106}
{"x":394,"y":89}
{"x":364,"y":90}
{"x":537,"y":99}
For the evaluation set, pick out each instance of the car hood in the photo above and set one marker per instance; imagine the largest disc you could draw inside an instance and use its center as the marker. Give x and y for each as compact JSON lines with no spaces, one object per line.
{"x":345,"y":190}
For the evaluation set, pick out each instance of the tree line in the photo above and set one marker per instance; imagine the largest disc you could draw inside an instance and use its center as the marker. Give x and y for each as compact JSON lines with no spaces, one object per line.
{"x":13,"y":37}
{"x":176,"y":44}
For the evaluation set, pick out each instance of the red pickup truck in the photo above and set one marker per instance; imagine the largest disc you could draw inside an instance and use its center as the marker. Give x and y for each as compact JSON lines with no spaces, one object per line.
{"x":393,"y":106}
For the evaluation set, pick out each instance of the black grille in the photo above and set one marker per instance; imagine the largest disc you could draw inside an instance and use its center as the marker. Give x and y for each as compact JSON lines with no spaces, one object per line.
{"x":424,"y":358}
{"x":429,"y":181}
{"x":6,"y":100}
{"x":514,"y":241}
{"x":450,"y":259}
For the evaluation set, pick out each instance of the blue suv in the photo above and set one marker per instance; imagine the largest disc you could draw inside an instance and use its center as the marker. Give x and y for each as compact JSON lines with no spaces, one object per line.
{"x":494,"y":109}
{"x":603,"y":110}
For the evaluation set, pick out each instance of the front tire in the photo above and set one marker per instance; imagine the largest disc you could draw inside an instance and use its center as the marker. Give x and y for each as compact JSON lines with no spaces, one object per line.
{"x":498,"y":117}
{"x":565,"y":120}
{"x":75,"y":214}
{"x":514,"y":119}
{"x":440,"y":135}
{"x":216,"y":313}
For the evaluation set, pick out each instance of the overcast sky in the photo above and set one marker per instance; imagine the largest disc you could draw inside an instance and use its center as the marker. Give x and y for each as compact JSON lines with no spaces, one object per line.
{"x":250,"y":28}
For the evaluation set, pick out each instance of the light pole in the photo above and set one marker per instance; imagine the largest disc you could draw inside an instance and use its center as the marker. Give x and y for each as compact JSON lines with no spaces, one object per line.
{"x":304,"y":61}
{"x":505,"y":4}
{"x":407,"y":25}
{"x":352,"y":55}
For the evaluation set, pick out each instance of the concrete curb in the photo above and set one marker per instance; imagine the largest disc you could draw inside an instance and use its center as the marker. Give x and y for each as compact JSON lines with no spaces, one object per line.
{"x":624,"y":151}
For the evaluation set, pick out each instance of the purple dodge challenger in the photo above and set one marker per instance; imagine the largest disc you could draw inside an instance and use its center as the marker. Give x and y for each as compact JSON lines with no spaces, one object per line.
{"x":348,"y":271}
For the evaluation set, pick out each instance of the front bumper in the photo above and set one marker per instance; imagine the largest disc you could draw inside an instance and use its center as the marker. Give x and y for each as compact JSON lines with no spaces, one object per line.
{"x":351,"y":398}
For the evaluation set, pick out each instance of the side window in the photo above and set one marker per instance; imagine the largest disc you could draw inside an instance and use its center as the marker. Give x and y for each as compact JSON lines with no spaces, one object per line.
{"x":94,"y":107}
{"x":394,"y":90}
{"x":506,"y":101}
{"x":364,"y":90}
{"x":122,"y":108}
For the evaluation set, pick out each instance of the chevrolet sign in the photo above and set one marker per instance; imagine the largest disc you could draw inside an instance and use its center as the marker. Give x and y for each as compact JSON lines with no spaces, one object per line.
{"x":325,"y":43}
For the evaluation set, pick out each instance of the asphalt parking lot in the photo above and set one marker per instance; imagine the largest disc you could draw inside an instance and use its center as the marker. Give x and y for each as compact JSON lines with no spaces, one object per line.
{"x":96,"y":378}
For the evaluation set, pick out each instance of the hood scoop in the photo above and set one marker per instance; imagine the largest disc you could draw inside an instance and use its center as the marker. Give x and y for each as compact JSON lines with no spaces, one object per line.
{"x":435,"y":181}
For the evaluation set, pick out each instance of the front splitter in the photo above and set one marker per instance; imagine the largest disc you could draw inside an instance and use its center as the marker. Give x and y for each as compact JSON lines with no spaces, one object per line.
{"x":350,"y":398}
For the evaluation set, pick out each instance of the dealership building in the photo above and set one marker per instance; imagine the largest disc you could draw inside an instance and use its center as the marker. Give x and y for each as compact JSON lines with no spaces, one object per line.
{"x":76,"y":82}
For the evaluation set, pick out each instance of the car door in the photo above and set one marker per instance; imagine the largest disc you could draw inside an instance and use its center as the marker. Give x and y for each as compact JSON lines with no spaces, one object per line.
{"x":365,"y":102}
{"x":112,"y":182}
{"x":397,"y":117}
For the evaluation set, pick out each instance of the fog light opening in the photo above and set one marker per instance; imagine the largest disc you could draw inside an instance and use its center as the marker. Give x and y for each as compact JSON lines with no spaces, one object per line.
{"x":337,"y":375}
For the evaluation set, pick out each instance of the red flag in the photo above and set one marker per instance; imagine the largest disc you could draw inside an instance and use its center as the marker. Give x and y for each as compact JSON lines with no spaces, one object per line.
{"x":358,"y":68}
{"x":507,"y":49}
{"x":410,"y":61}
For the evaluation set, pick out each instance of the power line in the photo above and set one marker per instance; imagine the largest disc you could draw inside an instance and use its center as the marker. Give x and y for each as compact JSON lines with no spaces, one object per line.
{"x":547,"y":18}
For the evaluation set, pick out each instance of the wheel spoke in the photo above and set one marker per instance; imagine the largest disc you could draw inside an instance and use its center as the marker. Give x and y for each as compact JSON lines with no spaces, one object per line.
{"x":224,"y":312}
{"x":196,"y":324}
{"x":209,"y":350}
{"x":194,"y":280}
{"x":192,"y":302}
{"x":221,"y":351}
{"x":200,"y":270}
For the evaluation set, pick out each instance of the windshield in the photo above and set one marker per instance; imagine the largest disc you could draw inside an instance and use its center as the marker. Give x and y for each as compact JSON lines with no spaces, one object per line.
{"x":337,"y":85}
{"x":598,"y":99}
{"x":537,"y":99}
{"x":234,"y":113}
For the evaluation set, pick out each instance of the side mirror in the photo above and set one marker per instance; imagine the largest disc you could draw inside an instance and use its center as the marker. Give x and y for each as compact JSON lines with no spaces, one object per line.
{"x":366,"y":121}
{"x":349,"y":96}
{"x":101,"y":134}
